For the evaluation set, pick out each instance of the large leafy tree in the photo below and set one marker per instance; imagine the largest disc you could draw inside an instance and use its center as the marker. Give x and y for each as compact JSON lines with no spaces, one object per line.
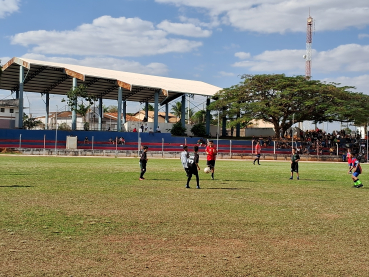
{"x":83,"y":102}
{"x":278,"y":99}
{"x":177,"y":109}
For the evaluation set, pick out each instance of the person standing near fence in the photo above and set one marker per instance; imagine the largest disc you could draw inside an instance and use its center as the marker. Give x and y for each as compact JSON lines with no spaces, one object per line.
{"x":257,"y":152}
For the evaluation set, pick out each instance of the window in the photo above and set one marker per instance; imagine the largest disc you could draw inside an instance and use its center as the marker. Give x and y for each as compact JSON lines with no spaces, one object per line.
{"x":2,"y":110}
{"x":11,"y":110}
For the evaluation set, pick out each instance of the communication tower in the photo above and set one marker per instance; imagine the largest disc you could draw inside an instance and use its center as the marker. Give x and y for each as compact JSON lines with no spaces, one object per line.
{"x":309,"y":40}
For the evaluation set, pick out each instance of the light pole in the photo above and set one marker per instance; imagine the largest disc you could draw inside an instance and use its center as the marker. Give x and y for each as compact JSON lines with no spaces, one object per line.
{"x":56,"y":116}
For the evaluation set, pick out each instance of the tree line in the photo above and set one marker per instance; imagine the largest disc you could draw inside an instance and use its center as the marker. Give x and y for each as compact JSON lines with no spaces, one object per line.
{"x":283,"y":101}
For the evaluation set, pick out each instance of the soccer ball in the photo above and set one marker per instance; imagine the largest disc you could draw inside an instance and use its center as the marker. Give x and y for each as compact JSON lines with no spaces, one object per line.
{"x":207,"y":169}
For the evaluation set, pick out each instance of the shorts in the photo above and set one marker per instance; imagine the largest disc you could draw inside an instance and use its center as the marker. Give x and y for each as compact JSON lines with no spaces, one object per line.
{"x":211,"y":163}
{"x":295,"y":167}
{"x":258,"y":155}
{"x":349,"y":164}
{"x":356,"y":174}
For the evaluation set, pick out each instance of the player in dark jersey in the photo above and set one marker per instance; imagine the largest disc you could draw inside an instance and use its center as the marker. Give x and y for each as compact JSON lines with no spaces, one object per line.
{"x":143,"y":162}
{"x":193,"y":167}
{"x":295,"y":158}
{"x":356,"y":171}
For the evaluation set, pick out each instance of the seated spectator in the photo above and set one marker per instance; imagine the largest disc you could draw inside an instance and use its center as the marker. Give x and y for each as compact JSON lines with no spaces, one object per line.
{"x":111,"y":140}
{"x":86,"y":140}
{"x":122,"y":140}
{"x":201,"y":142}
{"x":151,"y":131}
{"x":158,"y":129}
{"x":134,"y":130}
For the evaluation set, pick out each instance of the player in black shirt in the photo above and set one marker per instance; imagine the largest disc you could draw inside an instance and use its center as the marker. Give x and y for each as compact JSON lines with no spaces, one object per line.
{"x":143,"y":162}
{"x":295,"y":158}
{"x":193,"y":167}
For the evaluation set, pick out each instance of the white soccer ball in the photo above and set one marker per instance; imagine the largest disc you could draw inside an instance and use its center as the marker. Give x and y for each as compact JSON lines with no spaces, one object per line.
{"x":207,"y":169}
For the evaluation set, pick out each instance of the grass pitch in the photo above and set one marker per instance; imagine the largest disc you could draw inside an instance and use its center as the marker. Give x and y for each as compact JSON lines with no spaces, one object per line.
{"x":93,"y":217}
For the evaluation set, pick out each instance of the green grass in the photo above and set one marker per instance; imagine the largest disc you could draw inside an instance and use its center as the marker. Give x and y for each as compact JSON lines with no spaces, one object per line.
{"x":93,"y":217}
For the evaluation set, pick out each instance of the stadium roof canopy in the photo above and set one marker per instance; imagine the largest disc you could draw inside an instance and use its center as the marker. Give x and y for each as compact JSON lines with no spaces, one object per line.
{"x":56,"y":78}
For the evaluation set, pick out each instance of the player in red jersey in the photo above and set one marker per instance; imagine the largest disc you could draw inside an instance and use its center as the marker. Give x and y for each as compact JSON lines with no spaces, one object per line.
{"x":211,"y":152}
{"x":257,"y":151}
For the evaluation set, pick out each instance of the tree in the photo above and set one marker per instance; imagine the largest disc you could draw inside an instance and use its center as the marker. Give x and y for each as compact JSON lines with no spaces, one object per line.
{"x":111,"y":109}
{"x":199,"y":117}
{"x":177,"y":109}
{"x":80,"y":101}
{"x":150,"y":107}
{"x":30,"y":122}
{"x":64,"y":127}
{"x":277,"y":99}
{"x":178,"y":130}
{"x":198,"y":130}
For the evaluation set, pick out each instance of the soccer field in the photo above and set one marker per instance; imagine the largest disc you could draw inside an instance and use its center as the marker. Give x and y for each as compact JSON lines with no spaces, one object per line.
{"x":93,"y":217}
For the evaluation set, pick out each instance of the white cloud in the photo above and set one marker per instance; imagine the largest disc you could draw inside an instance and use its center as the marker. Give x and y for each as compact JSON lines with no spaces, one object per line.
{"x":242,"y":55}
{"x":107,"y":63}
{"x":279,"y":16}
{"x":363,"y":36}
{"x":8,"y":6}
{"x":183,"y":29}
{"x":344,"y":58}
{"x":360,"y":82}
{"x":120,"y":37}
{"x":226,"y":74}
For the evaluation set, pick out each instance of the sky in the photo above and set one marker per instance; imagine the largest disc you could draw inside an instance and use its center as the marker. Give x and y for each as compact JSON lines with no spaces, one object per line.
{"x":214,"y":41}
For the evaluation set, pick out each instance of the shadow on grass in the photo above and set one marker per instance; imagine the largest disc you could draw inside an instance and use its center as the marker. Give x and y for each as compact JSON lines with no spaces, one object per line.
{"x":316,"y":180}
{"x":230,"y":188}
{"x":16,"y":186}
{"x":15,"y":173}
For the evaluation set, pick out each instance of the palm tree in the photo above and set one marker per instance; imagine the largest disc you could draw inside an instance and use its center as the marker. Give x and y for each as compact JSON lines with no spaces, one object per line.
{"x":177,"y":109}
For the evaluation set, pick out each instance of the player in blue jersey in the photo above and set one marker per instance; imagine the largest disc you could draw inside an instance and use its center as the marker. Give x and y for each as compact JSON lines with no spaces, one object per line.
{"x":356,"y":171}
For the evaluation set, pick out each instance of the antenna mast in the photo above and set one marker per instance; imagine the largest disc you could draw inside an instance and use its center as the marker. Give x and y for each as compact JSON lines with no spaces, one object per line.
{"x":309,"y":40}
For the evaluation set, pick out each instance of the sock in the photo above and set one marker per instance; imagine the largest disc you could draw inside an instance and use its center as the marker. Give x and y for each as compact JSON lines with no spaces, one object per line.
{"x":358,"y":182}
{"x":212,"y":175}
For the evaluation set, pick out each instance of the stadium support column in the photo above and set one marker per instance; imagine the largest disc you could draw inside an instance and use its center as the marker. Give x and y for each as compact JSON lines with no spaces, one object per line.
{"x":47,"y":111}
{"x":166,"y":113}
{"x":20,"y":115}
{"x":224,"y":123}
{"x":207,"y":122}
{"x":183,"y":111}
{"x":124,"y":112}
{"x":156,"y":110}
{"x":147,"y":111}
{"x":100,"y":113}
{"x":120,"y":97}
{"x":74,"y":111}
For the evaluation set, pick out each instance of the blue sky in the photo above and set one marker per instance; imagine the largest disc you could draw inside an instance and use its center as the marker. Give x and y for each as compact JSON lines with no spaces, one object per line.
{"x":214,"y":41}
